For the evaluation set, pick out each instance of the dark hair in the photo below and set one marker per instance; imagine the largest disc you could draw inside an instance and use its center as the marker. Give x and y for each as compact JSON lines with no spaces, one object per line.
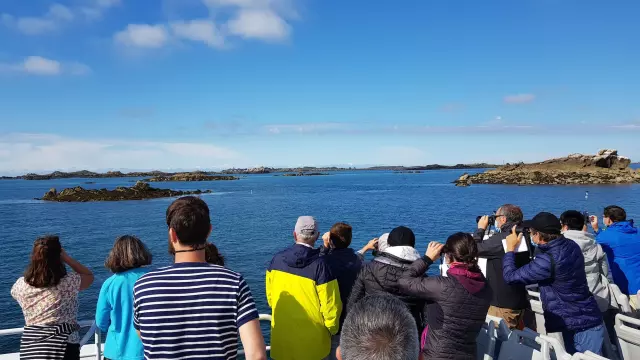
{"x":544,"y":236}
{"x":128,"y":253}
{"x":573,"y":219}
{"x":615,"y":213}
{"x":462,"y":248}
{"x":46,"y":267}
{"x":341,"y":234}
{"x":212,"y":255}
{"x":189,"y":217}
{"x":512,"y":213}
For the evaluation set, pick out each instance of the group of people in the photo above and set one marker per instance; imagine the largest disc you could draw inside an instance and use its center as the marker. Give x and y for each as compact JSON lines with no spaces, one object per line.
{"x":326,"y":301}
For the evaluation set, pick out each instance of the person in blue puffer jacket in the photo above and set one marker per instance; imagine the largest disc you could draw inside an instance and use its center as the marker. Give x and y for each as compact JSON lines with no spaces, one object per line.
{"x":621,"y":242}
{"x":114,"y":312}
{"x":569,"y":307}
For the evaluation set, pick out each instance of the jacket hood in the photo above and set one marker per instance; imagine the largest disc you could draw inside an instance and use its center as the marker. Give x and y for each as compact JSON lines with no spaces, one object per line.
{"x":585,"y":240}
{"x":408,"y":253}
{"x":625,"y":227}
{"x":300,"y":256}
{"x":472,"y":281}
{"x":343,"y":255}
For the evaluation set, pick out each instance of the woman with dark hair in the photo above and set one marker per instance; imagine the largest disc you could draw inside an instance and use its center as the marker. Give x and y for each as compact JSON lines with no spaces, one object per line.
{"x":48,"y":296}
{"x":457,"y":303}
{"x":212,"y":255}
{"x":114,"y":313}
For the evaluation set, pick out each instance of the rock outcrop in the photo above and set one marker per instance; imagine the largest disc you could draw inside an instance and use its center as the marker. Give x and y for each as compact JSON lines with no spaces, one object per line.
{"x":304,"y":174}
{"x":141,"y":190}
{"x":606,"y":167}
{"x":191,"y":176}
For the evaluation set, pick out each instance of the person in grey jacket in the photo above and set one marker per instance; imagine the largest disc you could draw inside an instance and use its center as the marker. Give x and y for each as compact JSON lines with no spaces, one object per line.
{"x":596,"y":264}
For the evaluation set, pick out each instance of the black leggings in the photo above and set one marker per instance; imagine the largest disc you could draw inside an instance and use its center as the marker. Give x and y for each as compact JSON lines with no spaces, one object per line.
{"x":72,"y":352}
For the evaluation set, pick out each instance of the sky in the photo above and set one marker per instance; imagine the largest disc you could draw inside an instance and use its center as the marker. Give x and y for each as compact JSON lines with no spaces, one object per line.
{"x":209,"y":84}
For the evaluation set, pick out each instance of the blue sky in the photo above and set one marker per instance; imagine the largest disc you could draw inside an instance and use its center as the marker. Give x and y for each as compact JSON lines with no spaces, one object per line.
{"x":146,"y":84}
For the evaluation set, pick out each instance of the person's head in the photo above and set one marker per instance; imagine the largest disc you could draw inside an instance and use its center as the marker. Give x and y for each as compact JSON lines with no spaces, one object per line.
{"x":46,"y":267}
{"x":306,"y":230}
{"x":460,"y":247}
{"x":545,"y":227}
{"x":508,"y":214}
{"x":340,"y":235}
{"x":572,"y":220}
{"x":189,"y":223}
{"x":379,"y":327}
{"x":401,"y":236}
{"x":128,"y":253}
{"x":212,"y":255}
{"x":614,"y":214}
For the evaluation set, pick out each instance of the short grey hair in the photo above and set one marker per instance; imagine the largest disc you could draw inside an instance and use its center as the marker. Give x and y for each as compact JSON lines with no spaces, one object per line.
{"x":307,"y":238}
{"x":379,"y":327}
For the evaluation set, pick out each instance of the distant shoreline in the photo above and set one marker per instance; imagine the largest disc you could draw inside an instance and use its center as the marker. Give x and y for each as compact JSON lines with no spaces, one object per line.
{"x":239,"y":171}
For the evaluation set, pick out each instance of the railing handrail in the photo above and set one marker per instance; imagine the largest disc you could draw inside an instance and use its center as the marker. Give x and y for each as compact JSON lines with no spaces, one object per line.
{"x":95,"y":331}
{"x":17,"y":331}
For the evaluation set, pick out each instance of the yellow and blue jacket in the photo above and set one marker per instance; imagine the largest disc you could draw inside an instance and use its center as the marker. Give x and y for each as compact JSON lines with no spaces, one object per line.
{"x":305,"y":304}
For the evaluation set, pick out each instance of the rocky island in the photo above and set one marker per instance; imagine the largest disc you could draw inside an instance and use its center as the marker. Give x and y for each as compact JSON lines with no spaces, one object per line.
{"x":606,"y":167}
{"x":191,"y":176}
{"x":141,"y":190}
{"x":304,"y":174}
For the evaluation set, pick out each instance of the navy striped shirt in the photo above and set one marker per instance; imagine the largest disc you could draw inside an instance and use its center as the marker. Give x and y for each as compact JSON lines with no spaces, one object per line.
{"x":191,"y":311}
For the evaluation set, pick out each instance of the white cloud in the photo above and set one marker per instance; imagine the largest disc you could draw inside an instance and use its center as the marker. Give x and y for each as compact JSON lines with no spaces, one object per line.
{"x":46,"y":152}
{"x":519,"y":98}
{"x":61,"y":12}
{"x":200,"y":31}
{"x":257,"y":19}
{"x":143,"y":35}
{"x":262,"y":24}
{"x":56,"y":17}
{"x":38,"y":65}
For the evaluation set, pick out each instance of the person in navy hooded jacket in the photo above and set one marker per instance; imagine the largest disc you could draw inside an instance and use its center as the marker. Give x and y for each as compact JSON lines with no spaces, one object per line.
{"x":621,"y":242}
{"x":569,"y":307}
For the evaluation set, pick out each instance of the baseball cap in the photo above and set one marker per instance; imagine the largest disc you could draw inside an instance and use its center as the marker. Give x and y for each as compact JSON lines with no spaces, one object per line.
{"x":544,"y":222}
{"x":306,"y":225}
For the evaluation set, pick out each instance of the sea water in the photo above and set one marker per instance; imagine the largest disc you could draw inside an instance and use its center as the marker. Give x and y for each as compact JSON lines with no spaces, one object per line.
{"x":253,"y":218}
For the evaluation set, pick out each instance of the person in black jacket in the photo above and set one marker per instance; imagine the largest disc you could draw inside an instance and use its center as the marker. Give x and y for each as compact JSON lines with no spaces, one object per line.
{"x":381,"y":275}
{"x":344,"y":263}
{"x":457,"y":303}
{"x":509,"y":301}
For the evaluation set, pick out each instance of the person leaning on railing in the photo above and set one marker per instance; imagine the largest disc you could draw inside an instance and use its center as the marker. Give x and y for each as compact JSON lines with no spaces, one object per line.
{"x":48,"y":296}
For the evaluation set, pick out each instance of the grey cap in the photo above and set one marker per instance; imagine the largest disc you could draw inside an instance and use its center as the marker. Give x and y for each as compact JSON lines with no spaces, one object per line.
{"x":306,"y":225}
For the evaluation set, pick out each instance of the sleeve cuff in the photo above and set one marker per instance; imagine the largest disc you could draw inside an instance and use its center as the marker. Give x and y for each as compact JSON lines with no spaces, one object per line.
{"x":427,"y":260}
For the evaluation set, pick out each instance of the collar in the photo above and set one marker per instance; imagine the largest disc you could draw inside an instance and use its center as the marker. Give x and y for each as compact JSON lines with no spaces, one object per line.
{"x":552,"y":243}
{"x":305,"y":245}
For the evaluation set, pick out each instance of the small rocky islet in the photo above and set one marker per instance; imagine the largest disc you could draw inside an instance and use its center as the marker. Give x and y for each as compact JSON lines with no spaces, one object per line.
{"x":191,"y":176}
{"x":606,"y":167}
{"x":140,"y":191}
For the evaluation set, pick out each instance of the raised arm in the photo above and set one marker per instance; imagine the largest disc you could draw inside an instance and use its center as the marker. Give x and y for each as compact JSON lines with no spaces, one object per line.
{"x":416,"y":284}
{"x":86,"y":276}
{"x":532,"y":273}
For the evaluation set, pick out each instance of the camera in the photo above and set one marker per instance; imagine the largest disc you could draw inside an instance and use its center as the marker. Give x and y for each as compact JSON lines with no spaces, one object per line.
{"x":524,"y":231}
{"x":586,"y":217}
{"x":492,"y":219}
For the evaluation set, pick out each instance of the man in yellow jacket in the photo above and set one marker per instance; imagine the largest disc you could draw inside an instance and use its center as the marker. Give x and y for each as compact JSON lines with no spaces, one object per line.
{"x":304,"y":297}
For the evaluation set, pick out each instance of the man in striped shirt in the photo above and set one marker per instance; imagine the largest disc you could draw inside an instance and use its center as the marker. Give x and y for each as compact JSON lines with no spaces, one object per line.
{"x":192,"y":309}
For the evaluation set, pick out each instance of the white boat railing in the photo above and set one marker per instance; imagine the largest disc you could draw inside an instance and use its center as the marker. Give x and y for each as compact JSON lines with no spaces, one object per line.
{"x":97,"y":337}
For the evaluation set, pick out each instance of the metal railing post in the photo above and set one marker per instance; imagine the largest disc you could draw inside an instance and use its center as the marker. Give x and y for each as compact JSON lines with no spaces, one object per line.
{"x":98,"y":342}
